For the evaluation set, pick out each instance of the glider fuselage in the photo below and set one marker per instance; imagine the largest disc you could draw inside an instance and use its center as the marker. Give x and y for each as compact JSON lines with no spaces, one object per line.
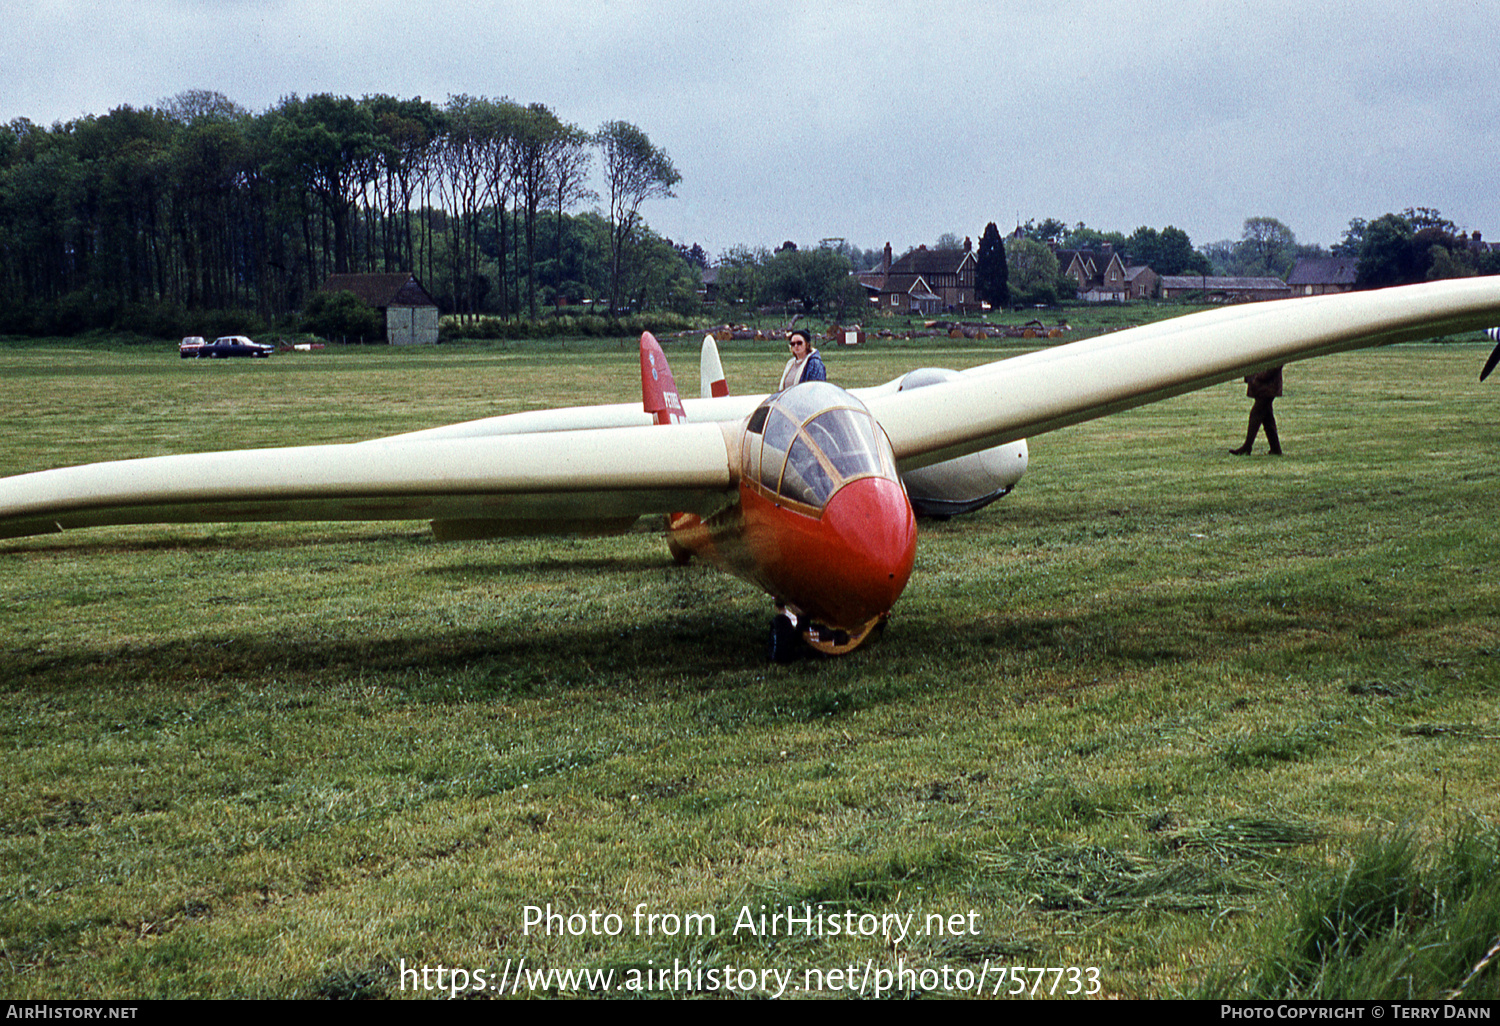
{"x":820,"y":520}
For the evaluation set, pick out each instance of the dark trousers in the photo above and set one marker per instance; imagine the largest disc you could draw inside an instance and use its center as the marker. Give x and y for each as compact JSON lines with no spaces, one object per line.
{"x":1262,"y":416}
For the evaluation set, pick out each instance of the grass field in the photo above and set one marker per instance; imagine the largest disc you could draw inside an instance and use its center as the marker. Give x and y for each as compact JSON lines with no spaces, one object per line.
{"x":1120,"y":720}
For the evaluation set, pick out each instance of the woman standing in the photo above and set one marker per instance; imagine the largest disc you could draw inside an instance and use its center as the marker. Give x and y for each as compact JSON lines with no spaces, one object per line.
{"x":805,"y":364}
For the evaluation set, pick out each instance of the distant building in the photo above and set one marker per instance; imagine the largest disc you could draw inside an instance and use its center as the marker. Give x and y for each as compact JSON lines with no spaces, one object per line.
{"x":1223,"y":290}
{"x":1476,"y":244}
{"x":924,"y":281}
{"x":411,"y":317}
{"x":1103,"y":276}
{"x":1320,"y":276}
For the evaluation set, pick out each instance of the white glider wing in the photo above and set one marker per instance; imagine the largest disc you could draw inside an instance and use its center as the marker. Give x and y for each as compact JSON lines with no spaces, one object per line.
{"x":1053,"y":388}
{"x":582,"y":481}
{"x":598,"y":468}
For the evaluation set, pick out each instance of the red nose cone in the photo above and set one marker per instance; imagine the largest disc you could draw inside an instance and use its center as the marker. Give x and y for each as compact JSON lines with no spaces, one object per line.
{"x":869,"y":539}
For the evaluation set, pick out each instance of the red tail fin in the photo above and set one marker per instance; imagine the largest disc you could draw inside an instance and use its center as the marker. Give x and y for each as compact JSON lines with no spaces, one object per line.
{"x":658,"y":387}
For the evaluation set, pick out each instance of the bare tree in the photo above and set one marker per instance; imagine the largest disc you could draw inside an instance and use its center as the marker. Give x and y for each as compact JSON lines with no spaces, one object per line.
{"x":464,"y":178}
{"x":570,"y":162}
{"x":538,"y":136}
{"x":634,"y":171}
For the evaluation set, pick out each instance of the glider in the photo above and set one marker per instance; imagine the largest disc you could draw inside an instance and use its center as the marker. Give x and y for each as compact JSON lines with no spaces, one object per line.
{"x":804,"y":493}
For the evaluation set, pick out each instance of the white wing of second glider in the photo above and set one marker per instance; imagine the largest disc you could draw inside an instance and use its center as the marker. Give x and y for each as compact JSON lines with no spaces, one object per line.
{"x":580,"y":481}
{"x":1052,"y":388}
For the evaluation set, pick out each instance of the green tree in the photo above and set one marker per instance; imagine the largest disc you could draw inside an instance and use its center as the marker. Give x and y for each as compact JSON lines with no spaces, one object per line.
{"x":193,"y":105}
{"x":1354,"y":236}
{"x":137,"y":216}
{"x":1177,"y":254}
{"x":658,"y":276}
{"x":1267,"y":247}
{"x":1416,"y":245}
{"x":328,"y":143}
{"x":1081,"y":236}
{"x":474,"y":178}
{"x":578,"y":268}
{"x":1050,"y":232}
{"x":1168,"y":251}
{"x":634,"y":171}
{"x":405,"y":135}
{"x":991,"y":277}
{"x":342,"y":316}
{"x":570,"y":161}
{"x":820,"y":279}
{"x":1387,"y":255}
{"x":1034,"y":272}
{"x":739,"y":279}
{"x":538,"y":133}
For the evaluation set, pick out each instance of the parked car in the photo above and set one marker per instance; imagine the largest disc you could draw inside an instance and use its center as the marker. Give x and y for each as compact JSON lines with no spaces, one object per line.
{"x":228,"y":345}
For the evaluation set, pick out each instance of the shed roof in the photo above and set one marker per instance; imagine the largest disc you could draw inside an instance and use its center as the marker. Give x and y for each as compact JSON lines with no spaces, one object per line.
{"x":381,"y":290}
{"x":1323,"y":271}
{"x":1209,"y":282}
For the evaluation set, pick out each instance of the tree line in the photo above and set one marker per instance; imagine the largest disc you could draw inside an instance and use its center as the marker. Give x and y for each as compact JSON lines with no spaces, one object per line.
{"x":194,"y":216}
{"x":1418,"y":244}
{"x":143,"y":218}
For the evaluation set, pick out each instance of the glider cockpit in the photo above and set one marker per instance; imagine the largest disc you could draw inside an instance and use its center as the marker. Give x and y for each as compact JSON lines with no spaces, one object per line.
{"x":818,"y":487}
{"x":803,"y":445}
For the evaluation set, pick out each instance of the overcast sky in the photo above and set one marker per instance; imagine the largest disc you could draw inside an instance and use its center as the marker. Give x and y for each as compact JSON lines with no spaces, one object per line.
{"x":876,"y":121}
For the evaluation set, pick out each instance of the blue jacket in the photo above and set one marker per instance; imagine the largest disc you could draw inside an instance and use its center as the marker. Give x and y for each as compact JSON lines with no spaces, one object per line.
{"x":812,"y":370}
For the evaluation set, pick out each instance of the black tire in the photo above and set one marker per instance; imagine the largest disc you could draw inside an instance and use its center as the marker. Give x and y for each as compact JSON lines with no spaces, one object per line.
{"x":785,"y":644}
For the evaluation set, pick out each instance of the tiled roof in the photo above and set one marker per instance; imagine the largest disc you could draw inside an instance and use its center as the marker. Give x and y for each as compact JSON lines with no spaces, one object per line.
{"x":931,"y":261}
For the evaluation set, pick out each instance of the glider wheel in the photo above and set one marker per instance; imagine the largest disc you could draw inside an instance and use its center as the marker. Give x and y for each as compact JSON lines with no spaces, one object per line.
{"x":785,"y":644}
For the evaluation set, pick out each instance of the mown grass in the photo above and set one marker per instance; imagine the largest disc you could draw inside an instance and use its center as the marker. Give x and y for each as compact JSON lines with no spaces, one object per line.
{"x":1122,"y":716}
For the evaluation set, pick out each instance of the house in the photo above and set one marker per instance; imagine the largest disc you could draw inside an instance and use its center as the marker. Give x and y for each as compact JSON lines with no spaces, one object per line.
{"x":1223,"y":290}
{"x":1141,"y":282}
{"x":1475,"y":242}
{"x":411,"y":317}
{"x":1319,"y":276}
{"x":925,"y":281}
{"x":1103,"y":276}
